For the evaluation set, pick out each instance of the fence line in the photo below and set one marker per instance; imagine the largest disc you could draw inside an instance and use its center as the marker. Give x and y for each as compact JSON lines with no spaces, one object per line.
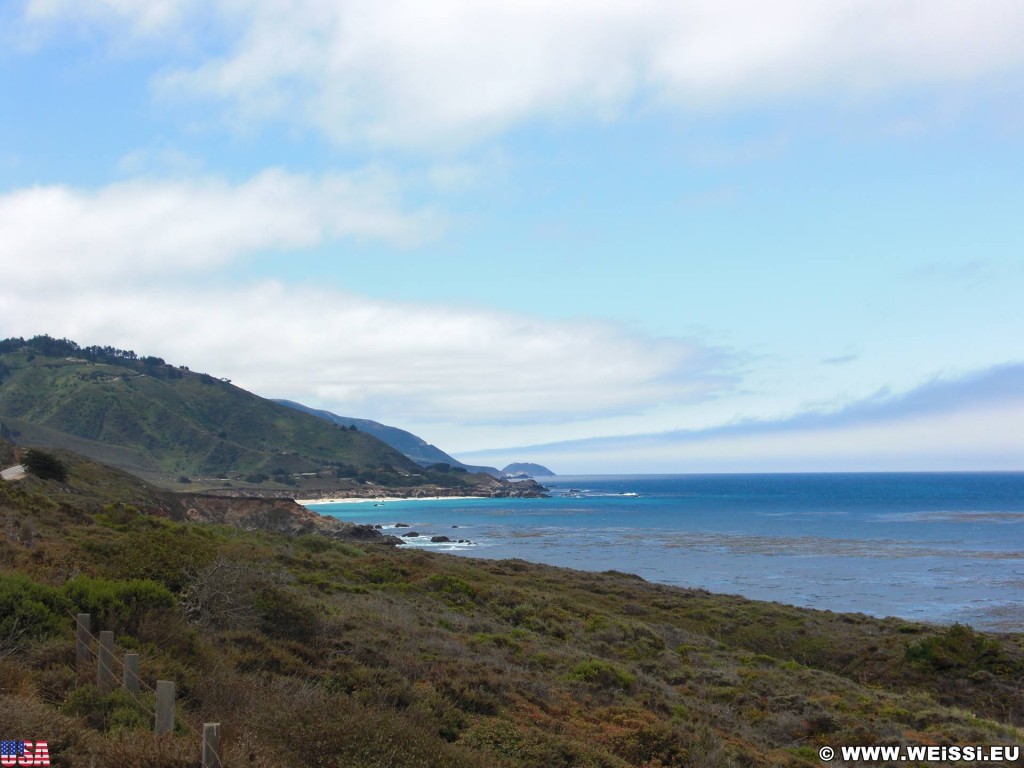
{"x":164,"y":692}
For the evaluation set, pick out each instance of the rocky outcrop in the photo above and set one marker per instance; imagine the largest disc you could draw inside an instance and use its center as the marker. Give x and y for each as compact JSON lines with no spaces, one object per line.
{"x":275,"y":515}
{"x":504,"y":489}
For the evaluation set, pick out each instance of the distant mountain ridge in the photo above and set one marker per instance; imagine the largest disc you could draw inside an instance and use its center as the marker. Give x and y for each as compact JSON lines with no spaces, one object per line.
{"x":526,"y":469}
{"x":412,"y":446}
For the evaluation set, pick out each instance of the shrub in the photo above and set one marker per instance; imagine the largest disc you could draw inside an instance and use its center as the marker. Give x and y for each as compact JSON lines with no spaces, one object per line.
{"x":118,"y":606}
{"x":314,"y":544}
{"x":340,"y":731}
{"x":377,"y":572}
{"x":452,"y":586}
{"x":473,"y":687}
{"x":160,"y":551}
{"x":224,"y":594}
{"x":114,"y":711}
{"x":602,"y":674}
{"x":29,"y":611}
{"x":140,"y":750}
{"x":957,"y":647}
{"x":287,"y":614}
{"x":659,"y":744}
{"x":524,"y":746}
{"x":118,"y":516}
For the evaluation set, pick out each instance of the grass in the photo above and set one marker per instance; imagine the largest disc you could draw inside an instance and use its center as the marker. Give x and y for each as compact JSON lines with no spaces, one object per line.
{"x":317,"y":652}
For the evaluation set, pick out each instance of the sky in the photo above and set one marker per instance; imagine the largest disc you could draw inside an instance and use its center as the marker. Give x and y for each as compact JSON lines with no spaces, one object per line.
{"x":659,"y":236}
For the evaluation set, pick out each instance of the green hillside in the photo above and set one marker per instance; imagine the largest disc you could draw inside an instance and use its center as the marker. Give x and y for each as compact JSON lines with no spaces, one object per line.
{"x":165,"y":422}
{"x":312,"y":650}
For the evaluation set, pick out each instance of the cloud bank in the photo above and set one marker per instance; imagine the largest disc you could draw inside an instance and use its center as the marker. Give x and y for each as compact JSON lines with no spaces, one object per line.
{"x":973,"y":421}
{"x":405,"y":73}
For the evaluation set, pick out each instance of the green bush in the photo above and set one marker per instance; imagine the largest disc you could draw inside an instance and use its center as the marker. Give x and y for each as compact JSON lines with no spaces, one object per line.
{"x":287,"y":614}
{"x":112,"y":712}
{"x":314,"y":544}
{"x":119,"y":516}
{"x":161,"y":551}
{"x":602,"y":674}
{"x":30,"y":611}
{"x":957,"y":647}
{"x":525,"y":745}
{"x":115,"y":605}
{"x":453,"y":586}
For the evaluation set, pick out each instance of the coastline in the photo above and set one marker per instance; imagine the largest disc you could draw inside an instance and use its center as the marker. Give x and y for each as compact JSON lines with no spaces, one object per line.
{"x":382,"y":499}
{"x":874,"y":546}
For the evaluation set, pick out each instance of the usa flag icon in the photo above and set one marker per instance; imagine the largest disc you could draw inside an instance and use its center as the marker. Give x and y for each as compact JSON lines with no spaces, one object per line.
{"x":24,"y":753}
{"x":12,"y":748}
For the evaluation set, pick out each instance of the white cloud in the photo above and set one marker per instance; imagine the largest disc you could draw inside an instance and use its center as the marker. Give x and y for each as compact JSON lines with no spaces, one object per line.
{"x":145,"y":17}
{"x":394,"y":361}
{"x":57,"y":234}
{"x":148,"y":265}
{"x":400,"y":72}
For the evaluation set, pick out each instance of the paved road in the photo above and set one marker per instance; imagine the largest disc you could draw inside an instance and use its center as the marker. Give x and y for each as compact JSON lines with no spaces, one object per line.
{"x":13,"y":473}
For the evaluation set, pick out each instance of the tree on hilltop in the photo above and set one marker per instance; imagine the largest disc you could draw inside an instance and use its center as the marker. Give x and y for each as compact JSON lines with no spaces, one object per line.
{"x":44,"y":465}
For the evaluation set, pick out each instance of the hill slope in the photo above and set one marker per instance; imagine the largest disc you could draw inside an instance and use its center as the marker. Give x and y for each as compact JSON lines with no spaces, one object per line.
{"x":410,"y":445}
{"x":163,"y":421}
{"x":314,"y":651}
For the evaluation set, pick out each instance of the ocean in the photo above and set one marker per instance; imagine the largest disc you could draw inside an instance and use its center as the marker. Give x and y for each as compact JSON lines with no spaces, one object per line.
{"x":936,"y":547}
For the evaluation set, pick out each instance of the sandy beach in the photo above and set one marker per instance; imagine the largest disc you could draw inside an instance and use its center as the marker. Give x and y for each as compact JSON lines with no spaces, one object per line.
{"x":382,"y":499}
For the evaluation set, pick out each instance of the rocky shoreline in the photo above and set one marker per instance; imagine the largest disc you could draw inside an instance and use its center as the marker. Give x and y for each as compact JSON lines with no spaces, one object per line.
{"x":493,"y":488}
{"x":283,"y":516}
{"x":278,"y":511}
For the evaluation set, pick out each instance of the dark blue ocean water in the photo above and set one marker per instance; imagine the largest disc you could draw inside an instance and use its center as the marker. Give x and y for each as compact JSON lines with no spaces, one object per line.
{"x":933,"y":547}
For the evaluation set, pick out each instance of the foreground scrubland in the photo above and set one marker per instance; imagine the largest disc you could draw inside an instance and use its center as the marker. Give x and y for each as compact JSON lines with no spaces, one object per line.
{"x":314,"y":651}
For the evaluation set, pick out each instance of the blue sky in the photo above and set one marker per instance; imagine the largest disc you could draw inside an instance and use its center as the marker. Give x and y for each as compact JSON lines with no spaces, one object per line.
{"x":668,"y":237}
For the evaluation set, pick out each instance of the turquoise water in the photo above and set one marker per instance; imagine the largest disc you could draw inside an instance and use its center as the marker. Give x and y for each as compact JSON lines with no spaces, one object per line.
{"x":933,"y":547}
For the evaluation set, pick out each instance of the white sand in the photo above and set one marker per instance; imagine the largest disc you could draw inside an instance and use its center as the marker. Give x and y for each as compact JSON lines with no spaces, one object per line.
{"x":381,"y":499}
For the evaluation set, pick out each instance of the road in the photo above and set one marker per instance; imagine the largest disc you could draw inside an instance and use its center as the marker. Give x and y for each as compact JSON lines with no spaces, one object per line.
{"x":13,"y":473}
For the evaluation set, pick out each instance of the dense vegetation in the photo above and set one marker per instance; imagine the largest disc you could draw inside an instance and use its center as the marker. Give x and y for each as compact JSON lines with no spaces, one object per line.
{"x":170,"y":425}
{"x":320,"y":652}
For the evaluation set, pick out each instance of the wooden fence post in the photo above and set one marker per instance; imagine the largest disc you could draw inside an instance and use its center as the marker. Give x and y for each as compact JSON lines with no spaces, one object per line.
{"x":164,"y":707}
{"x":130,"y":680}
{"x":211,"y":745}
{"x":105,"y":666}
{"x":82,"y":622}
